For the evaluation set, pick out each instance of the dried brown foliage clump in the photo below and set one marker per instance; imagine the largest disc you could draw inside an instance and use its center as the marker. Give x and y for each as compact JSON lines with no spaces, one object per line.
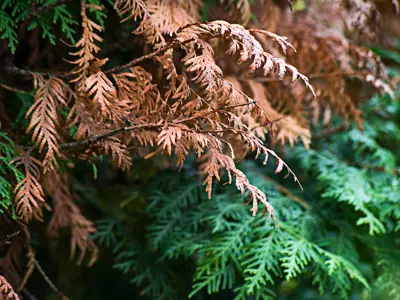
{"x":6,"y":290}
{"x":185,"y":94}
{"x":67,"y":214}
{"x":29,"y":192}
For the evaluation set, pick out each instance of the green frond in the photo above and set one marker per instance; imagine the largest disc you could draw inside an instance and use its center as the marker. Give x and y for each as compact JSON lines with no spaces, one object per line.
{"x":218,"y":280}
{"x":8,"y":30}
{"x":218,"y":258}
{"x":261,"y":261}
{"x":106,"y":233}
{"x":351,"y":185}
{"x":100,"y":15}
{"x":154,"y":279}
{"x":7,"y":172}
{"x":262,"y":293}
{"x":183,"y":245}
{"x":389,"y":280}
{"x":365,"y":143}
{"x":296,"y":255}
{"x":62,"y":16}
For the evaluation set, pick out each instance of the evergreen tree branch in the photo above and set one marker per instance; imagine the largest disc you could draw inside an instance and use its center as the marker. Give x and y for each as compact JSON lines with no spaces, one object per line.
{"x":138,"y":60}
{"x":14,"y":70}
{"x":96,"y":138}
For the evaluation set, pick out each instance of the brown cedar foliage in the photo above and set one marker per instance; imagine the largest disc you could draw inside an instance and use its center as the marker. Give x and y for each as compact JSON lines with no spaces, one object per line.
{"x":218,"y":111}
{"x":67,"y":214}
{"x":6,"y":290}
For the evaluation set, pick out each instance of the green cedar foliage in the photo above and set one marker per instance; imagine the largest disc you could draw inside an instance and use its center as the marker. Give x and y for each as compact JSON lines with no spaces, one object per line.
{"x":53,"y":17}
{"x":8,"y":153}
{"x":337,"y":240}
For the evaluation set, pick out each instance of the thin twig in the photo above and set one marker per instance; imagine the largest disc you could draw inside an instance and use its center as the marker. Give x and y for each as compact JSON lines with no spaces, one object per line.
{"x":312,"y":76}
{"x":287,"y":193}
{"x":30,"y":256}
{"x":171,"y":44}
{"x":11,"y":69}
{"x":13,"y":89}
{"x":240,"y":104}
{"x":247,"y":97}
{"x":328,"y":132}
{"x":49,"y":282}
{"x":28,"y":294}
{"x":222,"y":131}
{"x":9,"y":237}
{"x":35,"y":263}
{"x":202,"y":99}
{"x":135,"y":61}
{"x":69,"y":75}
{"x":95,"y":138}
{"x":273,"y":122}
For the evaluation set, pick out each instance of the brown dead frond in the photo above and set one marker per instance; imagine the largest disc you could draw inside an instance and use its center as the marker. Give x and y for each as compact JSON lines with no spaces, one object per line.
{"x":67,"y":215}
{"x":119,"y":153}
{"x":159,"y":17}
{"x":6,"y":290}
{"x":87,"y":44}
{"x":51,"y":94}
{"x":28,"y":192}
